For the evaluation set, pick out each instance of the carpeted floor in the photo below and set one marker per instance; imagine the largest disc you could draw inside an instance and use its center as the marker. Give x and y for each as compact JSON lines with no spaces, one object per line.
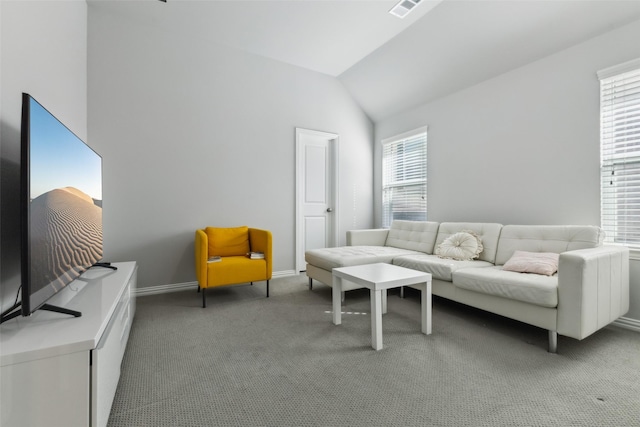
{"x":247,"y":360}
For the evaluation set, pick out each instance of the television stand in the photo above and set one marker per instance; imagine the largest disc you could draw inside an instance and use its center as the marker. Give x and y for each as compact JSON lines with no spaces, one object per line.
{"x":105,"y":265}
{"x":10,"y":313}
{"x":14,"y":312}
{"x":86,"y":352}
{"x":56,"y":309}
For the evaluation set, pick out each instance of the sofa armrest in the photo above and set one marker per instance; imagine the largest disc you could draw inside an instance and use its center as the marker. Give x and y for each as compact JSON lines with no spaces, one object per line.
{"x":593,"y":289}
{"x":261,"y":241}
{"x":370,"y":237}
{"x":201,"y":247}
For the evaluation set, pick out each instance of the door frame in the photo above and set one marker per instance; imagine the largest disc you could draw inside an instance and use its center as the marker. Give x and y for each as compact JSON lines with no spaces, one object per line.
{"x":334,"y":144}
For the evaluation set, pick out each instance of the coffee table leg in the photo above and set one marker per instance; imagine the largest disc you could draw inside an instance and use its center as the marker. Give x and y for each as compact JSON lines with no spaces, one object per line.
{"x":336,"y":294}
{"x":376,"y":319}
{"x":425,"y":309}
{"x":384,"y":302}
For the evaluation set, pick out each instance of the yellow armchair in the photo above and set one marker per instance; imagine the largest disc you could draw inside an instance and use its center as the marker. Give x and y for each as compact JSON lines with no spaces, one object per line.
{"x":232,"y":246}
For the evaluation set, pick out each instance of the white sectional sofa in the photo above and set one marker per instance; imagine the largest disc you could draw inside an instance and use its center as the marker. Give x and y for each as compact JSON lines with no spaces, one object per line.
{"x":589,"y":290}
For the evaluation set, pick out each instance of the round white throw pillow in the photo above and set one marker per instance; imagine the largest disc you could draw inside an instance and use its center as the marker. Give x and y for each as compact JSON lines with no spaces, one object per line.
{"x":462,"y":246}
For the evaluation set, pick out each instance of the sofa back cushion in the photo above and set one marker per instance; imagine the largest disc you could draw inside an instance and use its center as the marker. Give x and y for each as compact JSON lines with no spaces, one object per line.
{"x":231,"y":241}
{"x":412,"y":235}
{"x":546,"y":238}
{"x":488,"y":233}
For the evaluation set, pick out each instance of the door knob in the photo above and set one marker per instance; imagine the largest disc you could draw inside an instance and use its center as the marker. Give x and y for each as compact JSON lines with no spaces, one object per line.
{"x":329,"y":210}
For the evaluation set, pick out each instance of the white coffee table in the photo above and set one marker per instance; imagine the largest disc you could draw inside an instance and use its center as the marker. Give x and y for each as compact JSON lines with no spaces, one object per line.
{"x":378,"y":278}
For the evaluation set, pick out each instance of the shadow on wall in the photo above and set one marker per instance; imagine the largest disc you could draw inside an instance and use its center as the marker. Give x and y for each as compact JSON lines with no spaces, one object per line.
{"x":159,"y":258}
{"x":187,"y":261}
{"x":9,"y":215}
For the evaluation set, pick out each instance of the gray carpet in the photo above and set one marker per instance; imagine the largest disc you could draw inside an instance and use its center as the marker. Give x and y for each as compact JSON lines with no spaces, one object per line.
{"x":247,"y":360}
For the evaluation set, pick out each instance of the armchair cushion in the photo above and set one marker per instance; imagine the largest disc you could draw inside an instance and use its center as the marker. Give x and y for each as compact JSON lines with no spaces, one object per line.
{"x":232,"y":241}
{"x":236,"y":269}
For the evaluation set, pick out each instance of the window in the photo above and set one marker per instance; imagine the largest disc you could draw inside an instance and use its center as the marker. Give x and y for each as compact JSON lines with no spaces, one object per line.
{"x":620,"y":153}
{"x":404,"y":177}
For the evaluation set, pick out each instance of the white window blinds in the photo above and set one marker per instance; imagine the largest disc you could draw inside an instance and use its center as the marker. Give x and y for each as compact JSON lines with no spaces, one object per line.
{"x":404,"y":177}
{"x":620,"y":153}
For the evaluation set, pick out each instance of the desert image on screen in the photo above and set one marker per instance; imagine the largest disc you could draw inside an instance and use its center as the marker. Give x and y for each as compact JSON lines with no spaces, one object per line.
{"x":66,"y":234}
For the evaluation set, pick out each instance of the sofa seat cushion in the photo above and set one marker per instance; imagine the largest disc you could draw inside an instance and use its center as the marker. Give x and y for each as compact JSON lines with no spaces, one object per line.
{"x":531,"y":288}
{"x":440,"y":268}
{"x":345,"y":256}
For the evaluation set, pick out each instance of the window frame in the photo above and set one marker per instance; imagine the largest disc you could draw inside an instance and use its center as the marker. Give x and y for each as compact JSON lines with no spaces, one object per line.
{"x":619,"y":154}
{"x":387,"y":217}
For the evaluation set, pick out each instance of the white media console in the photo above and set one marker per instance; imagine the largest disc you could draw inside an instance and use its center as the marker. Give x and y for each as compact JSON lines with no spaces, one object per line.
{"x":59,"y":370}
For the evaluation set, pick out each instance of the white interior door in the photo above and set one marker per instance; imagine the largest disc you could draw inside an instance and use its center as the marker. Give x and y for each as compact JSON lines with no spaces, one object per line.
{"x":316,"y":188}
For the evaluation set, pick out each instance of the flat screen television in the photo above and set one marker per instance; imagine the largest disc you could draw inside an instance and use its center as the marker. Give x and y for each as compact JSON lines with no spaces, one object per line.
{"x":60,"y":209}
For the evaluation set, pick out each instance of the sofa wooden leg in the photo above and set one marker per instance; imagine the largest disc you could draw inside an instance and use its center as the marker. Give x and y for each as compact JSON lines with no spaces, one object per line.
{"x":204,"y":300}
{"x":310,"y":283}
{"x":553,"y":341}
{"x":267,"y":289}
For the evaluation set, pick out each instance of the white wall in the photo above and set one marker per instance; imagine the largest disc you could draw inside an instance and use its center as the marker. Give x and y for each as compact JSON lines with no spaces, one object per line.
{"x":523,"y":147}
{"x":194,"y":134}
{"x":44,"y":53}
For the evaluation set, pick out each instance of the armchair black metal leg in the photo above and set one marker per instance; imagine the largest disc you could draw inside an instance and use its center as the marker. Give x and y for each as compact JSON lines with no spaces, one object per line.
{"x":204,"y":300}
{"x":267,"y":289}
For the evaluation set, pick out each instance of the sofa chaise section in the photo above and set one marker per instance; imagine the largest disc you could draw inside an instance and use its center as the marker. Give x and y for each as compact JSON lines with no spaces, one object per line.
{"x":369,"y":247}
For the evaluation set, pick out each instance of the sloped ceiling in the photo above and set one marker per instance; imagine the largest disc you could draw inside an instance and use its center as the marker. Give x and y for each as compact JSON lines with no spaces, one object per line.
{"x":461,"y":43}
{"x":389,"y":64}
{"x":327,"y":36}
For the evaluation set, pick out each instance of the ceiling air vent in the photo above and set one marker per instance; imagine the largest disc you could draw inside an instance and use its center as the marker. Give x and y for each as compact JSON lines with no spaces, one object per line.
{"x":403,"y":7}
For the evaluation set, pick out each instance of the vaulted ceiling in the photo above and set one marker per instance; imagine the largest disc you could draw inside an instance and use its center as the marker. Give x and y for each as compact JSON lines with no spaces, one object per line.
{"x":328,"y":36}
{"x":462,"y":43}
{"x":390,"y":64}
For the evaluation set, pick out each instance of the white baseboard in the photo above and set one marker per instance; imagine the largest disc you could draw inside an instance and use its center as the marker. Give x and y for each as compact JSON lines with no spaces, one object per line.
{"x":165,"y":289}
{"x":176,"y":287}
{"x":628,"y":323}
{"x":285,"y":273}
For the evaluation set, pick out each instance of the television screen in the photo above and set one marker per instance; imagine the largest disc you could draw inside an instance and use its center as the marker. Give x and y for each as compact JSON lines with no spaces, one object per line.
{"x":62,"y":205}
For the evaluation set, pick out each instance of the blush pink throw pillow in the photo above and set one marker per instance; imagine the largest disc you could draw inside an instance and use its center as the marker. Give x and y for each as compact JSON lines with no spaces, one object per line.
{"x":545,"y":263}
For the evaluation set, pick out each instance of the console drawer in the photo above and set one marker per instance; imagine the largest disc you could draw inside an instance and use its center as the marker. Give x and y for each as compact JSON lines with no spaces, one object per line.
{"x":106,"y":358}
